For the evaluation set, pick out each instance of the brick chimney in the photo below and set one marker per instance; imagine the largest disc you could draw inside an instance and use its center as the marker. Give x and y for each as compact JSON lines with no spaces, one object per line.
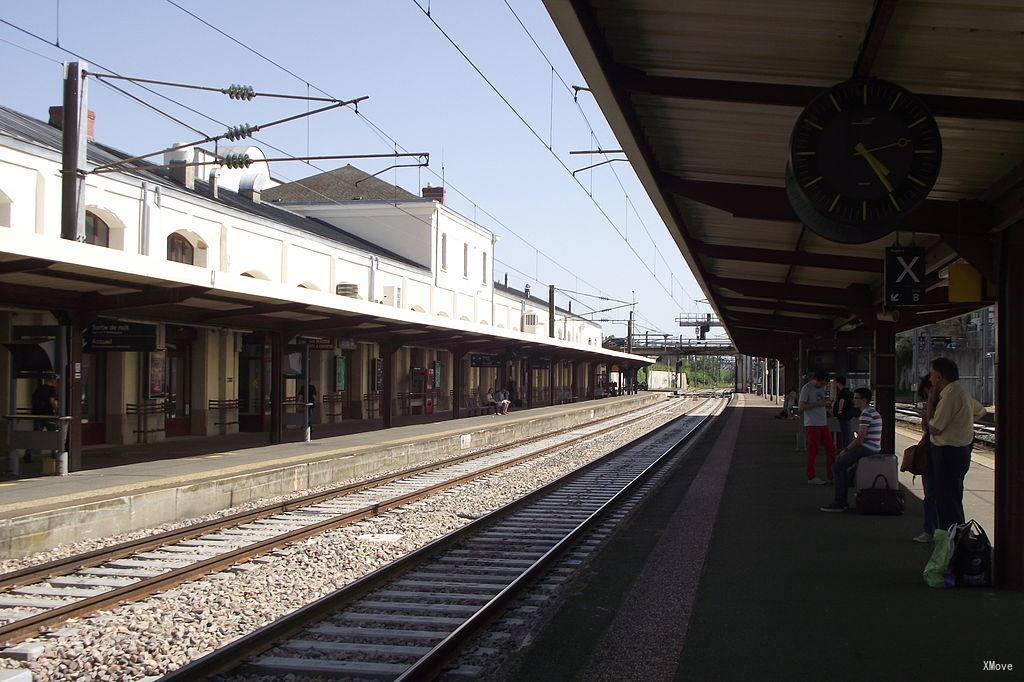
{"x":434,"y":193}
{"x":57,"y":121}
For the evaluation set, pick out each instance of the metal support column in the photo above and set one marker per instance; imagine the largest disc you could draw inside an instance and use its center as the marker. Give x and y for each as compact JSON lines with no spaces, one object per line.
{"x":552,"y":376}
{"x":75,"y":122}
{"x":1009,"y":466}
{"x":387,"y":392}
{"x":551,"y":311}
{"x":74,"y":384}
{"x":883,"y":376}
{"x":306,"y":398}
{"x":276,"y":387}
{"x":529,"y":383}
{"x":458,"y":381}
{"x":574,"y":383}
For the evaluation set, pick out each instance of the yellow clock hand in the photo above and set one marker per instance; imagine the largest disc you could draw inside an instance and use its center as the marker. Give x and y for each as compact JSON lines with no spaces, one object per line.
{"x":880,"y":170}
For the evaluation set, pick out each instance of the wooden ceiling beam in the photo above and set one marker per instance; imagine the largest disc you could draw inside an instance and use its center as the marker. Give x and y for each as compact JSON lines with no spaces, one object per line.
{"x":254,"y":309}
{"x":783,"y":322}
{"x":854,"y":296}
{"x":24,"y":265}
{"x":39,"y":298}
{"x":801,"y":258}
{"x":785,"y":306}
{"x":141,"y":299}
{"x":762,"y":202}
{"x":873,"y":38}
{"x":799,"y":96}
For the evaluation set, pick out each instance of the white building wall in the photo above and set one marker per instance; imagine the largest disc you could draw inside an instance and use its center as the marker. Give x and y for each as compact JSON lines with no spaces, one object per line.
{"x":142,"y":215}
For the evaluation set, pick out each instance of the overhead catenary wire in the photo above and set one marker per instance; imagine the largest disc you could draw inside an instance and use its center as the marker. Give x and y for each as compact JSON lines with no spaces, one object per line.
{"x":384,"y":135}
{"x":210,"y":118}
{"x":232,"y":133}
{"x":210,"y":88}
{"x":574,"y":90}
{"x":538,"y":136}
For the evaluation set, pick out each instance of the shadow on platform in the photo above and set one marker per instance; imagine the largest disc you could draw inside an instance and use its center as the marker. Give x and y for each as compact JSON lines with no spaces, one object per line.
{"x":785,"y":591}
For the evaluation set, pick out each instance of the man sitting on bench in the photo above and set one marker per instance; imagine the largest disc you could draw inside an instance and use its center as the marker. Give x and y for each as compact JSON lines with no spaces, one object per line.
{"x":867,"y":442}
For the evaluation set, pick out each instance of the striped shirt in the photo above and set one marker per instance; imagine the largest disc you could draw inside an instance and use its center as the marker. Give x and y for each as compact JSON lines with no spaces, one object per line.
{"x":871,"y":424}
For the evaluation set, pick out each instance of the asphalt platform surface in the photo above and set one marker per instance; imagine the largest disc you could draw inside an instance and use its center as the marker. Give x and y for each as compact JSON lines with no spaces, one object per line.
{"x":729,"y":571}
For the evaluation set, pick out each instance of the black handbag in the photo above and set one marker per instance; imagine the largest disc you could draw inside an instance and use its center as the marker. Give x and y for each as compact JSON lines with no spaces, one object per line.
{"x":972,"y":555}
{"x":880,"y":501}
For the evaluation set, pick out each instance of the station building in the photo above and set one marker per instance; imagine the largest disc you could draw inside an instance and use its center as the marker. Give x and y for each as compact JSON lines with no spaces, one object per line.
{"x":203,"y":297}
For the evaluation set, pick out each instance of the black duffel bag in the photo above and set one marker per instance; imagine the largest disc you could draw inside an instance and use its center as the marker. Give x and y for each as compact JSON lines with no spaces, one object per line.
{"x":880,"y":501}
{"x":972,"y":555}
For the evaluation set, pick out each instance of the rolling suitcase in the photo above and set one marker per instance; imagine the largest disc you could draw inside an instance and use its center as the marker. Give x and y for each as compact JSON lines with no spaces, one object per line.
{"x":870,"y":467}
{"x":878,"y":486}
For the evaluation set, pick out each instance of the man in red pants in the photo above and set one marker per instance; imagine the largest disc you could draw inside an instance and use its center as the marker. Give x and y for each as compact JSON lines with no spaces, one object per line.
{"x":813,"y":406}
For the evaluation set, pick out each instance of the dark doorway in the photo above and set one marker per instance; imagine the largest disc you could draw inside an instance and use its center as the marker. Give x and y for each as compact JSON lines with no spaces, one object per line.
{"x":177,"y":409}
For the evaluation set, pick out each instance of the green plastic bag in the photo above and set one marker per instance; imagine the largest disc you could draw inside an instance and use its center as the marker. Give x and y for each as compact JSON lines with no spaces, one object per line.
{"x":936,"y":571}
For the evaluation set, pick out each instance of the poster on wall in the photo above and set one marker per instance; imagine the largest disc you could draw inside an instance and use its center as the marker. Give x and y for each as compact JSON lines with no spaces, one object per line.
{"x":339,"y":375}
{"x":157,"y":372}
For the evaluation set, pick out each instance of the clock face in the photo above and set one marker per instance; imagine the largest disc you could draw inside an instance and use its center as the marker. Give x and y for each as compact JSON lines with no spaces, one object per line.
{"x":862,"y":155}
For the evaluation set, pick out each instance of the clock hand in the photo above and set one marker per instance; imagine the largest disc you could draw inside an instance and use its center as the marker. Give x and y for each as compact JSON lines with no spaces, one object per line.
{"x":880,"y":170}
{"x":902,"y":142}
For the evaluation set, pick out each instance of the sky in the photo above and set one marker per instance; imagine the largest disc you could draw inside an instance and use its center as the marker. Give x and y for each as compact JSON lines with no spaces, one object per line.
{"x":423,"y":95}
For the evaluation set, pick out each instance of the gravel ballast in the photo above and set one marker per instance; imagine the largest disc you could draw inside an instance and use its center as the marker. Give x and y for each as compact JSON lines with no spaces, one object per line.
{"x":165,"y":631}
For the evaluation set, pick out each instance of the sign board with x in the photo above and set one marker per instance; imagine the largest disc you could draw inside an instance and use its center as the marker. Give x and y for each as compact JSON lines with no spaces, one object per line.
{"x":904,"y":276}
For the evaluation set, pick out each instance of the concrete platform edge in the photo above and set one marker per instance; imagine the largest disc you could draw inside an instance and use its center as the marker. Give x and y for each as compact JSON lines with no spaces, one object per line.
{"x":112,"y":511}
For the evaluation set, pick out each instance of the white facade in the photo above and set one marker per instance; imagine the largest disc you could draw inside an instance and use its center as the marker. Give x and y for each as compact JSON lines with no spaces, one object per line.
{"x":443,"y":264}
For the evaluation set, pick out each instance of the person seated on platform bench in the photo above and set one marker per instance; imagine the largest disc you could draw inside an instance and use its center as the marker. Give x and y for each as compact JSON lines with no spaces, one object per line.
{"x":44,"y":401}
{"x":867,"y":442}
{"x":504,"y":402}
{"x":489,"y":402}
{"x":788,"y":403}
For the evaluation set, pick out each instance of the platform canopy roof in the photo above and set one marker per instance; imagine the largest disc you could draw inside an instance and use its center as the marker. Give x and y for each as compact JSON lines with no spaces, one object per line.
{"x":39,"y":272}
{"x":702,"y":96}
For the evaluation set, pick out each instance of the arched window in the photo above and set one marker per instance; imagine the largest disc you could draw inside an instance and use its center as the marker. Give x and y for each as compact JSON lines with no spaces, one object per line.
{"x":180,"y":249}
{"x":97,"y":232}
{"x":444,"y":251}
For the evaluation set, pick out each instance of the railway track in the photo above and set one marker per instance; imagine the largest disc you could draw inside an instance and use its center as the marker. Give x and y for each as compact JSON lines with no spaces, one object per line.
{"x":983,"y":433}
{"x":409,"y":619}
{"x":47,"y":595}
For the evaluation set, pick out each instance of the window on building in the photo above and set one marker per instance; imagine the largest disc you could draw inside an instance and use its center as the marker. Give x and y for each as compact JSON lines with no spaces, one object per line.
{"x":97,"y":232}
{"x":483,"y":272}
{"x":5,"y":210}
{"x":180,"y":249}
{"x":444,"y":251}
{"x":465,"y":260}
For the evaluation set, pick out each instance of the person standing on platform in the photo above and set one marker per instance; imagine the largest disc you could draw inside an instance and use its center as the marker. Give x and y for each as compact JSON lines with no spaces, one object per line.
{"x":844,"y":411}
{"x":868,"y":442}
{"x":931,"y":513}
{"x":813,"y":404}
{"x":951,"y":429}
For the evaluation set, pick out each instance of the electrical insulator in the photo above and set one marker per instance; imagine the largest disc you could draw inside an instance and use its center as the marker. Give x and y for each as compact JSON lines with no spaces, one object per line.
{"x":246,"y":92}
{"x":240,"y":132}
{"x":237,"y":160}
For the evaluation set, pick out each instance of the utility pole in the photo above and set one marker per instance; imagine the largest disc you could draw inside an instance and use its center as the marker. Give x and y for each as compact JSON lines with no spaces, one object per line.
{"x":75,"y":121}
{"x":551,"y":310}
{"x":629,"y":333}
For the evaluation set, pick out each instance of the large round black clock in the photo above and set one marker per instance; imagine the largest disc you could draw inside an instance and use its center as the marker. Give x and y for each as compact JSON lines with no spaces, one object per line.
{"x":863,"y":154}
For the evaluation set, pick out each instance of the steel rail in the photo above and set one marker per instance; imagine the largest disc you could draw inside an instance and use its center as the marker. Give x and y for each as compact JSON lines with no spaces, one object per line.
{"x":18,"y":630}
{"x":235,"y":653}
